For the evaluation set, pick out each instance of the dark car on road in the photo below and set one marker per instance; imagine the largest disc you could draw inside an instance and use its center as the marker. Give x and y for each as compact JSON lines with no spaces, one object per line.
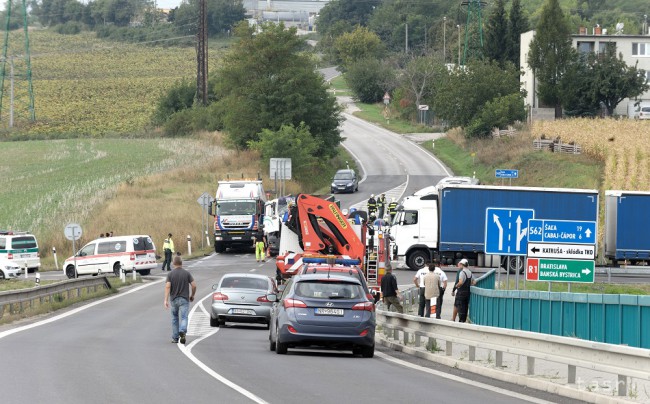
{"x":323,"y":311}
{"x":345,"y":181}
{"x":242,"y":298}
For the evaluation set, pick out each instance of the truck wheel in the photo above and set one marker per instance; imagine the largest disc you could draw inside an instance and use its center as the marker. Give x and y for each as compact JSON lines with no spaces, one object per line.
{"x":417,"y":260}
{"x":219,"y":247}
{"x":144,"y":272}
{"x":515,"y":264}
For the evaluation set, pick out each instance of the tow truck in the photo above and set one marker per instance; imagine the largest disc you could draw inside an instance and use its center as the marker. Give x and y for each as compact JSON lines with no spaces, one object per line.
{"x":318,"y":234}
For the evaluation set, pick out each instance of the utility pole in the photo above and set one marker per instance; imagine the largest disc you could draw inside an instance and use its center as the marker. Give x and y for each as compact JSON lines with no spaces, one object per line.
{"x":406,"y":41}
{"x":21,"y":90}
{"x":202,"y":55}
{"x":458,"y":26}
{"x":473,"y":29}
{"x":444,"y":40}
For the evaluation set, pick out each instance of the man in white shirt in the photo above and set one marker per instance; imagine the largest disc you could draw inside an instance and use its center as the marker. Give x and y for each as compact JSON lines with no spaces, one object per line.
{"x":418,"y":281}
{"x":443,"y":286}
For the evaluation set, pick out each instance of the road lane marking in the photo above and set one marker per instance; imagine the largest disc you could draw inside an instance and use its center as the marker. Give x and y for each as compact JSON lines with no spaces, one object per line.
{"x":458,"y":379}
{"x":201,"y":318}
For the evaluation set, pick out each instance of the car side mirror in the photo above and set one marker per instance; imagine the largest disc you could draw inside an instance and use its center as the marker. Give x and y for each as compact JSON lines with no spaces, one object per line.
{"x":272,"y":297}
{"x":215,"y":286}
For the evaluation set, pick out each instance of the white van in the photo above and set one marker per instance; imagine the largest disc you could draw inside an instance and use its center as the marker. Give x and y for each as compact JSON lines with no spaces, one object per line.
{"x":20,"y":248}
{"x":110,"y":254}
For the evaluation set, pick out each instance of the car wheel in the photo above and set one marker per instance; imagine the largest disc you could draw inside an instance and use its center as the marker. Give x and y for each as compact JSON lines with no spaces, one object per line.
{"x":281,"y":348}
{"x":116,"y":269}
{"x":516,"y":263}
{"x":69,"y":272}
{"x":219,"y":247}
{"x":214,"y":322}
{"x":145,"y":272}
{"x":271,"y":343}
{"x":368,"y":351}
{"x":2,"y":275}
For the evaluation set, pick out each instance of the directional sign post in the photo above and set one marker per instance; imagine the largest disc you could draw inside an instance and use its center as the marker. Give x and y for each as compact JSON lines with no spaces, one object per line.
{"x":562,"y":231}
{"x":563,"y":251}
{"x":556,"y":270}
{"x":506,"y":230}
{"x":510,"y":174}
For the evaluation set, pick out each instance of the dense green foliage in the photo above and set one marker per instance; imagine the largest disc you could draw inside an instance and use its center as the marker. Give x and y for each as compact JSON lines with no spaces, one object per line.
{"x":350,"y":47}
{"x":267,"y":80}
{"x":369,"y":79}
{"x":497,"y":113}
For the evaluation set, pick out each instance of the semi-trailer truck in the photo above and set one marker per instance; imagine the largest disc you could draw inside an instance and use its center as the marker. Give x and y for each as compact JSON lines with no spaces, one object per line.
{"x":450,"y":221}
{"x":627,"y":220}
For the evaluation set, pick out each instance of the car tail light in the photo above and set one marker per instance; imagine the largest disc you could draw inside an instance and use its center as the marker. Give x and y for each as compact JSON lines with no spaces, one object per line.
{"x":363,"y":333}
{"x":292,"y":330}
{"x":368,"y":306}
{"x":132,"y":256}
{"x":263,"y":299}
{"x":287,"y":303}
{"x":219,"y":296}
{"x":10,"y":256}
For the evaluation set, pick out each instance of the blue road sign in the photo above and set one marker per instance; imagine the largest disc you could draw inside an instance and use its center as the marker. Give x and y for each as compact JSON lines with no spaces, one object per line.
{"x":499,"y":173}
{"x":506,"y":230}
{"x":562,"y":231}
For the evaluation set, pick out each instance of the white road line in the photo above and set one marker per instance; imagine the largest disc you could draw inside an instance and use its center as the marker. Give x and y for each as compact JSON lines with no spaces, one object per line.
{"x":187,"y":351}
{"x":472,"y":383}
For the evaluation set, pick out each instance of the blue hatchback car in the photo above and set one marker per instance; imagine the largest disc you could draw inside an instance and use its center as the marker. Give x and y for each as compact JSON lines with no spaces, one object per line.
{"x":325,"y":311}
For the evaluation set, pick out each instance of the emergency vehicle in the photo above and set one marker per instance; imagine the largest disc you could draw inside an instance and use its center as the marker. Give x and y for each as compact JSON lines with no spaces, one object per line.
{"x":21,"y":249}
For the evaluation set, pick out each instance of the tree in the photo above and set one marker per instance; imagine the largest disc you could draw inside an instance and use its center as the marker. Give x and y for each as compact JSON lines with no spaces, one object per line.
{"x":496,"y":33}
{"x":266,"y":81}
{"x":369,"y":80}
{"x":517,"y":25}
{"x":614,"y":80}
{"x":356,"y":45}
{"x":549,"y":53}
{"x":576,"y":93}
{"x":462,"y":92}
{"x":351,"y":12}
{"x":418,"y":76}
{"x":222,"y":16}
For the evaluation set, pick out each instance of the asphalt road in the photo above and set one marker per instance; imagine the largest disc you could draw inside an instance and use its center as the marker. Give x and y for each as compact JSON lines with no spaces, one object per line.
{"x":118,"y":350}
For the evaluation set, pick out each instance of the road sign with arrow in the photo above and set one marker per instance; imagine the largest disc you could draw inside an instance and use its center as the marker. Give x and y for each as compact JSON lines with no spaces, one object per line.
{"x":506,"y":230}
{"x":556,"y":270}
{"x":557,"y":250}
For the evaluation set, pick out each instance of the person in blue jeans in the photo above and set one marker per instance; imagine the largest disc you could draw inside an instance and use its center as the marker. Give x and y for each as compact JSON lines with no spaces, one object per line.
{"x":177,"y":295}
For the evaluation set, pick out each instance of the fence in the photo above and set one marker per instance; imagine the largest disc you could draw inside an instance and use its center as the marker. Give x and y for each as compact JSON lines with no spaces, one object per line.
{"x":18,"y":302}
{"x":556,"y":146}
{"x":613,"y":319}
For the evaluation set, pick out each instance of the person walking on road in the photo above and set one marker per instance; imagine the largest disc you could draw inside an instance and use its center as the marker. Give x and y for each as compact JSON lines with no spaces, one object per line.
{"x":168,"y":248}
{"x":260,"y":246}
{"x":372,"y":205}
{"x":418,"y":281}
{"x":443,"y":287}
{"x":390,"y":291}
{"x":465,"y":280}
{"x":177,"y":295}
{"x":431,"y":290}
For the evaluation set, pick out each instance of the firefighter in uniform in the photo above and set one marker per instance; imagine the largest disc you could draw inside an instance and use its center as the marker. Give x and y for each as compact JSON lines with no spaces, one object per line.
{"x":392,"y":209}
{"x":381,"y":205}
{"x":168,"y":248}
{"x":372,"y":205}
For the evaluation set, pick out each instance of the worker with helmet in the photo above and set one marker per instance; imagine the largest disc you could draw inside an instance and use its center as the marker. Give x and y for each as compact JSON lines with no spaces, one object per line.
{"x":392,"y":209}
{"x":372,"y":205}
{"x":381,"y":205}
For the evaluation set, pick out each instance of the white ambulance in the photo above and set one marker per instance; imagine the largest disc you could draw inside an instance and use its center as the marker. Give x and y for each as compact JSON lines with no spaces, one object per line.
{"x":21,"y":249}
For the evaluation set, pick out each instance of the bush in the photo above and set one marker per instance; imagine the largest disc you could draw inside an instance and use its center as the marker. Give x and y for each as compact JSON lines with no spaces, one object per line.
{"x":497,"y":113}
{"x":179,"y":97}
{"x":368,"y":80}
{"x":69,"y":28}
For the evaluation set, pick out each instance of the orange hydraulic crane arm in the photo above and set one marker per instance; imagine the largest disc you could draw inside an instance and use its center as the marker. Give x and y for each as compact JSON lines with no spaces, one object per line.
{"x":322,"y":228}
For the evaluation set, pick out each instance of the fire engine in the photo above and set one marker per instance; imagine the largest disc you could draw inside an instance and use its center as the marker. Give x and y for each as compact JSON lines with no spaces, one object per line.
{"x":318,"y":234}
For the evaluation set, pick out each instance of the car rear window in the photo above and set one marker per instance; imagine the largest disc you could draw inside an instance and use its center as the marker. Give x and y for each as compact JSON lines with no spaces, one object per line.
{"x":108,"y":247}
{"x":338,"y":271}
{"x":327,"y":289}
{"x":142,"y":244}
{"x":645,"y":109}
{"x":244,"y":283}
{"x":23,"y":242}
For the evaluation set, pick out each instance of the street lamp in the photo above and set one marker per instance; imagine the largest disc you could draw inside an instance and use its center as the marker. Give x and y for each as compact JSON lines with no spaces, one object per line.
{"x":444,"y":40}
{"x":458,"y":26}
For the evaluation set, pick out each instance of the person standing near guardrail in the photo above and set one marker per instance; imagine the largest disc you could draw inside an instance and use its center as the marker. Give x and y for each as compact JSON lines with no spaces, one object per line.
{"x":443,"y":287}
{"x":431,"y":289}
{"x":465,"y":281}
{"x":418,"y":281}
{"x":390,"y":291}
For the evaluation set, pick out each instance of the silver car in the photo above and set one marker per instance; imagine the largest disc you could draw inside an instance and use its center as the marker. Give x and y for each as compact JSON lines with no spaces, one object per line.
{"x":241,"y":298}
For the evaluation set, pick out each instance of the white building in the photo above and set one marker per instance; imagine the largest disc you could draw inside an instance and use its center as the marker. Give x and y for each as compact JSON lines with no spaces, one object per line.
{"x":633,"y":48}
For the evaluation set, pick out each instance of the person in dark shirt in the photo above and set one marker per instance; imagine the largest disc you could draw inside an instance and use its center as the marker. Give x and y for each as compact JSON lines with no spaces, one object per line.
{"x":177,"y":295}
{"x":390,"y":292}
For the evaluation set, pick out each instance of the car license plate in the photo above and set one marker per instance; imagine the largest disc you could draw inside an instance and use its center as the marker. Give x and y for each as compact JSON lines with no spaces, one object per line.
{"x":325,"y":311}
{"x":236,"y":238}
{"x":25,"y":255}
{"x":242,"y":311}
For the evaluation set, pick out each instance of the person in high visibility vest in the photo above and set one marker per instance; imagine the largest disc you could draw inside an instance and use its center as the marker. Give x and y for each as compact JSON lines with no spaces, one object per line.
{"x":168,"y":248}
{"x":392,"y":209}
{"x":372,"y":205}
{"x":381,"y":204}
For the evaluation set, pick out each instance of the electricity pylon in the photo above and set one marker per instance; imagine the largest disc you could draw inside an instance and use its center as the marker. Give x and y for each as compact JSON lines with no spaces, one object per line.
{"x":473,"y":30}
{"x":21,"y":92}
